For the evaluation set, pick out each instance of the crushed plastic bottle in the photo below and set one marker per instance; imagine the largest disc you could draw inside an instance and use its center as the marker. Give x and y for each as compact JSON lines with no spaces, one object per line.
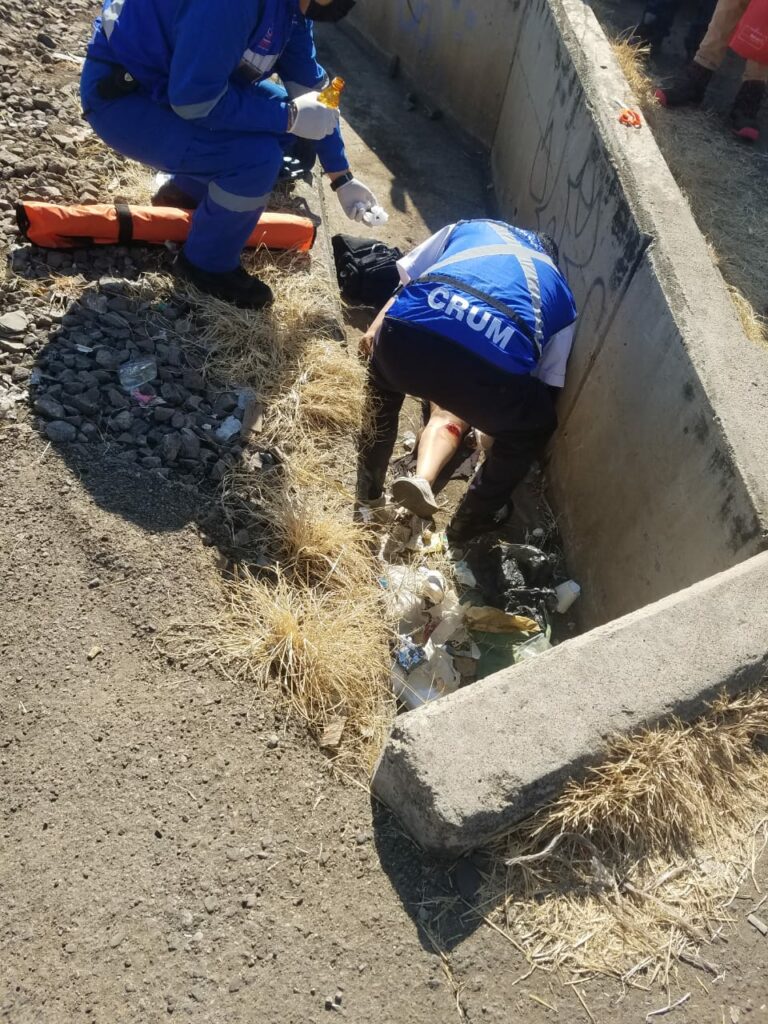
{"x":330,"y":96}
{"x":532,"y":648}
{"x":137,"y":372}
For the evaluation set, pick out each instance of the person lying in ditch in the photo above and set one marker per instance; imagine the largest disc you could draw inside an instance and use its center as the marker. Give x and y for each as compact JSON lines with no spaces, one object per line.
{"x":482,"y":325}
{"x":182,"y":85}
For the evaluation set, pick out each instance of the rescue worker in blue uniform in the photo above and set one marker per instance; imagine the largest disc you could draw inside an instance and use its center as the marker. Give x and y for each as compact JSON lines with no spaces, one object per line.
{"x":181,"y":85}
{"x":482,"y":326}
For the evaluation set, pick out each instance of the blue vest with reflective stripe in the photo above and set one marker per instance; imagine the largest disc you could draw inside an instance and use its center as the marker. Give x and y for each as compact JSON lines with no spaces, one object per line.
{"x":494,"y":291}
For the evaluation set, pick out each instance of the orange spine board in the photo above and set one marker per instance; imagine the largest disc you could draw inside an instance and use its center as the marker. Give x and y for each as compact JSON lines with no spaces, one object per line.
{"x":66,"y":227}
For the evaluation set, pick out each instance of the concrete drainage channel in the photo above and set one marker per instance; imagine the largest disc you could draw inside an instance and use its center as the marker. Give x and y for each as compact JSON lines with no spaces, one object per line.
{"x":659,"y":471}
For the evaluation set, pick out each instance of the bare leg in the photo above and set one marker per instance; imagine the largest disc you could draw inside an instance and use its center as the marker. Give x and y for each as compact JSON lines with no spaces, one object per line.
{"x":439,"y":442}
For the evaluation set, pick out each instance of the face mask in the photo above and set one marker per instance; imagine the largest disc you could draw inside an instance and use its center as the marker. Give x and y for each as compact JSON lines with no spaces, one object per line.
{"x":334,"y":11}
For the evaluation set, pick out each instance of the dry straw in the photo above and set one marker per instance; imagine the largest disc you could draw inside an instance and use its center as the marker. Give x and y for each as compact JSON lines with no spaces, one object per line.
{"x":311,"y":629}
{"x":633,"y":869}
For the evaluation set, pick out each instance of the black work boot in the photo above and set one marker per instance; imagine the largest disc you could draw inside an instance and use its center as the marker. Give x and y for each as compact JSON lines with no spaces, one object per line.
{"x":745,"y":110}
{"x":171,"y":195}
{"x":235,"y":286}
{"x":469,"y":521}
{"x":687,"y":88}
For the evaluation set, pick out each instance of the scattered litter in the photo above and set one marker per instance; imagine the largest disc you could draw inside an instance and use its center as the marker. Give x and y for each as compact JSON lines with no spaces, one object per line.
{"x":510,"y":575}
{"x":409,"y":655}
{"x":531,"y":648}
{"x":375,"y":216}
{"x":434,"y":584}
{"x":628,"y":116}
{"x":464,"y":575}
{"x":331,"y":738}
{"x":494,"y":620}
{"x":94,"y":653}
{"x":449,"y":616}
{"x":228,"y":429}
{"x":408,"y":441}
{"x":430,"y":542}
{"x":756,"y":922}
{"x":435,"y":677}
{"x":566,"y":594}
{"x":145,"y":400}
{"x":253,"y":411}
{"x":466,"y":469}
{"x":405,"y":591}
{"x":137,"y":372}
{"x":84,"y":350}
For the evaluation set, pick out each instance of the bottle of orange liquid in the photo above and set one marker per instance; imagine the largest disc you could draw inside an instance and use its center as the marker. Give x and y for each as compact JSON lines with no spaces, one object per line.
{"x":331,"y":94}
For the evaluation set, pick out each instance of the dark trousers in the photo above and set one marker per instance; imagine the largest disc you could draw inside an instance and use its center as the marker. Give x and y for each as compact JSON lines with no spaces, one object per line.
{"x":516,"y":410}
{"x":659,"y":16}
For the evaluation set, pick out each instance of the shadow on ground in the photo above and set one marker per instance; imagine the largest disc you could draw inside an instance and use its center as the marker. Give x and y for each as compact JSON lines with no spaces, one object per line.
{"x":120,"y":393}
{"x":439,"y":898}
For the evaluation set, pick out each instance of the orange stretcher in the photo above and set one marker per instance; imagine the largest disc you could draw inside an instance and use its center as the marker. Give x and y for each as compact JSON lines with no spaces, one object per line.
{"x":67,"y":227}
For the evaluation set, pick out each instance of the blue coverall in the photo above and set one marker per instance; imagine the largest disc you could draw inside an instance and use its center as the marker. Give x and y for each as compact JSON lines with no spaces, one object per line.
{"x":203,"y":110}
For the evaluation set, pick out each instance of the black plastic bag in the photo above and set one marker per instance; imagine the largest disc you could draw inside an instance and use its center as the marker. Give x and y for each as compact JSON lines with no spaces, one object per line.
{"x":366,"y":269}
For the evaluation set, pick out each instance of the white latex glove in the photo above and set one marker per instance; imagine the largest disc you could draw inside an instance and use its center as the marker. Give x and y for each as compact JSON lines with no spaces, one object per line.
{"x":313,"y":119}
{"x":356,"y":199}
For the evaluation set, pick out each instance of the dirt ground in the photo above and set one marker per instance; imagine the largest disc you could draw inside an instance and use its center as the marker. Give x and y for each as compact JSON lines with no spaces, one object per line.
{"x":724,"y":180}
{"x":169,"y":845}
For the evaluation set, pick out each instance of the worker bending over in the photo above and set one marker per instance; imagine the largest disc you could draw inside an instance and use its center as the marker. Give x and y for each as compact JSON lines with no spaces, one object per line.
{"x":482,"y":326}
{"x":181,"y":85}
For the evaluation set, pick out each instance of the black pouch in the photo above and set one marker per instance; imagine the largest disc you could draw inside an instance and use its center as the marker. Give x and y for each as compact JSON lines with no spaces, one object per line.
{"x":366,"y":269}
{"x":118,"y":83}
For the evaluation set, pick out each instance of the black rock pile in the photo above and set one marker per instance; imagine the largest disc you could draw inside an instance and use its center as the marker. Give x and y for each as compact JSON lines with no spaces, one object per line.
{"x":128,"y":371}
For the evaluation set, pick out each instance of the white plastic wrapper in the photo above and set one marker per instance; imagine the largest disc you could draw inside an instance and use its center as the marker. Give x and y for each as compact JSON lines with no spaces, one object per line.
{"x":375,"y":216}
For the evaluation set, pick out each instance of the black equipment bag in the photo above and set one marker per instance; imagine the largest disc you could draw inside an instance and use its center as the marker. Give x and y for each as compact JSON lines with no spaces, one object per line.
{"x":366,"y":269}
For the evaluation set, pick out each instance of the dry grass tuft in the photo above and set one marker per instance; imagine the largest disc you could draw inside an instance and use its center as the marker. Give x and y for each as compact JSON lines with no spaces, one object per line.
{"x":312,"y":630}
{"x":330,"y":390}
{"x":322,"y":652}
{"x":633,"y":869}
{"x":753,"y":324}
{"x":631,"y":60}
{"x":319,"y":545}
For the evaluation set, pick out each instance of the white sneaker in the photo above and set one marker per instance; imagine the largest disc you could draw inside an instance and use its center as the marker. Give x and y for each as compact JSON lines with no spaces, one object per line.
{"x":416,"y":495}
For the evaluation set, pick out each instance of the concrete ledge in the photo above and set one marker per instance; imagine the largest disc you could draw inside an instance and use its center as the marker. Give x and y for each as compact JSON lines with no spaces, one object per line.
{"x":465,"y":768}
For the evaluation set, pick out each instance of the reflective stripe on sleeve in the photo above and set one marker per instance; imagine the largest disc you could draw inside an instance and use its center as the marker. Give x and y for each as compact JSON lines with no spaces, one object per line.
{"x":192,"y":111}
{"x":235,"y":203}
{"x":110,"y":16}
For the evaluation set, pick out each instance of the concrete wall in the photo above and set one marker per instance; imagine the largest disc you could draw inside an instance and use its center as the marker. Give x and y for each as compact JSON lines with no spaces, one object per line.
{"x":457,"y":52}
{"x":659,"y":473}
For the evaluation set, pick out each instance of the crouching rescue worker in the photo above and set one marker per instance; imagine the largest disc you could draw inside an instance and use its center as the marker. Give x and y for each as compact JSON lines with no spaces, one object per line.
{"x":181,"y":85}
{"x":482,"y":325}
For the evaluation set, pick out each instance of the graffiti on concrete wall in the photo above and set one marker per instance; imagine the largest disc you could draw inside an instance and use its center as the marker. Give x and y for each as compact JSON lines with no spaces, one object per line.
{"x":574,"y":195}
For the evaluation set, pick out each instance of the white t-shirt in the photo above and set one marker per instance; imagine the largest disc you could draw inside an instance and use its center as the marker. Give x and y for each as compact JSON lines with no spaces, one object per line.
{"x":554,"y":359}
